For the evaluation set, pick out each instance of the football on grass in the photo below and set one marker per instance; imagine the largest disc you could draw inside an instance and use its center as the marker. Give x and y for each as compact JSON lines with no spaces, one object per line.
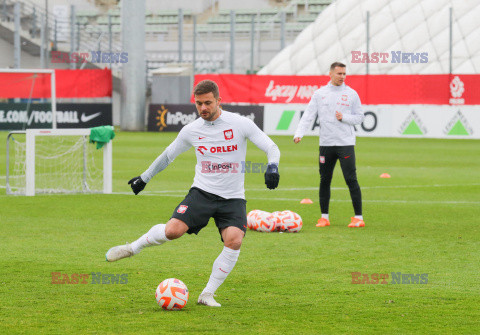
{"x":288,"y":221}
{"x":172,"y":294}
{"x":261,"y":221}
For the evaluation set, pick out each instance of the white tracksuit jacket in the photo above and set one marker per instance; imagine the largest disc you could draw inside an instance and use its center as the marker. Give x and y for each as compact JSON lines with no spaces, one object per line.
{"x":324,"y":103}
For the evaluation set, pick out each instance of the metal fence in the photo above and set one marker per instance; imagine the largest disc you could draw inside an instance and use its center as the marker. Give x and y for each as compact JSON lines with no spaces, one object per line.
{"x":228,"y":42}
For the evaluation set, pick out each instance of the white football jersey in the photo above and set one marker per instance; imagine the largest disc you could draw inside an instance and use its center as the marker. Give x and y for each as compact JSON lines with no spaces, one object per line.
{"x":220,"y":147}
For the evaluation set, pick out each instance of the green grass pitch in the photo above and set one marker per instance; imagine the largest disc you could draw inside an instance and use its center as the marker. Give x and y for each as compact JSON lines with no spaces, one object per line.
{"x":423,"y":220}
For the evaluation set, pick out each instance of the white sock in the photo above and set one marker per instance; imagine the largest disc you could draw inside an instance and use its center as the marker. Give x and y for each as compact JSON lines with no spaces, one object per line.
{"x":325,"y":216}
{"x":155,"y":236}
{"x":359,"y":217}
{"x":222,"y":266}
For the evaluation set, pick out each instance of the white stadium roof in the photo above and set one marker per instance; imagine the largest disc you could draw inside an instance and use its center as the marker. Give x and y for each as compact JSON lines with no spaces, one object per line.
{"x":408,"y":26}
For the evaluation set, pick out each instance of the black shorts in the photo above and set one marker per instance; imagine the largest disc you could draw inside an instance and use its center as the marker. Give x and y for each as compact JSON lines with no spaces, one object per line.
{"x":199,"y":206}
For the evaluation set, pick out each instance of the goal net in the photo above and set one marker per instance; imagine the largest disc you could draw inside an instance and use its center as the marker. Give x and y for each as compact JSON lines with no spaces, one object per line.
{"x":57,"y":161}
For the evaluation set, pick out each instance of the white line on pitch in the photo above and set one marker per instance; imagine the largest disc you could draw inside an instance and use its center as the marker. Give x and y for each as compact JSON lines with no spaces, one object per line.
{"x":380,"y":201}
{"x":333,"y":200}
{"x":342,"y":200}
{"x":179,"y":193}
{"x":333,"y":188}
{"x":182,"y":195}
{"x":366,"y":187}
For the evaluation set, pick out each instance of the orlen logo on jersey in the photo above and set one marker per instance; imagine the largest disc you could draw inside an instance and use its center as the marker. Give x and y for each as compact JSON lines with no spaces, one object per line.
{"x":201,"y":149}
{"x":226,"y":148}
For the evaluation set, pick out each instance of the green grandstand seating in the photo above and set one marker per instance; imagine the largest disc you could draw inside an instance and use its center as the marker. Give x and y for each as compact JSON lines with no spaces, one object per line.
{"x":307,"y":17}
{"x":225,"y":28}
{"x":88,"y":13}
{"x":102,"y":20}
{"x":156,"y":29}
{"x":316,"y":8}
{"x":321,"y":2}
{"x":296,"y":26}
{"x":114,"y":12}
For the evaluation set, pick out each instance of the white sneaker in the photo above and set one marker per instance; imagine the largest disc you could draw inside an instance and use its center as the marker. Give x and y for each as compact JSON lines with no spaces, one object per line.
{"x":208,"y":300}
{"x":119,"y":252}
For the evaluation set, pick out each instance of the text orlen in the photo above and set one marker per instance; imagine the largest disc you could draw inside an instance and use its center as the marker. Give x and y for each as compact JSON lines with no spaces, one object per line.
{"x":225,"y":148}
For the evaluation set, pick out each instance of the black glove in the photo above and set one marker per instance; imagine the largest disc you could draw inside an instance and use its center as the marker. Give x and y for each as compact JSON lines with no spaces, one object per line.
{"x":271,"y":176}
{"x":137,"y":184}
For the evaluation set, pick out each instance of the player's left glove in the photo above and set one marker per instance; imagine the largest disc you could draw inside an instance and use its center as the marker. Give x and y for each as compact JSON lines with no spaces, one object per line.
{"x":137,"y":184}
{"x":272,"y":176}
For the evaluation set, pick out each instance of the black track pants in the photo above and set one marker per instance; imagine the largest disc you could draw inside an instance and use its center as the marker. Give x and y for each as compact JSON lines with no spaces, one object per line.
{"x":328,"y":159}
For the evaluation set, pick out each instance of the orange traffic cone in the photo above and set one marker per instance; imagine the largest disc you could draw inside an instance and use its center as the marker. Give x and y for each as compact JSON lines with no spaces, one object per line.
{"x":306,"y":201}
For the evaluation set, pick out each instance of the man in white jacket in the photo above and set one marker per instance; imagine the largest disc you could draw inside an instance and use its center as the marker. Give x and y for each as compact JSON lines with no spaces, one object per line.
{"x":338,"y":109}
{"x":220,"y":141}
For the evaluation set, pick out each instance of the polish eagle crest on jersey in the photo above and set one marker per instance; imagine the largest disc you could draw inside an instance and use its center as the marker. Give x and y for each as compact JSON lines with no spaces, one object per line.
{"x":182,"y":209}
{"x":228,"y":134}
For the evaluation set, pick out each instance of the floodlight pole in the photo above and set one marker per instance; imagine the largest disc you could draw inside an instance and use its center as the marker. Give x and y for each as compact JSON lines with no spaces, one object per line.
{"x":110,"y":40}
{"x":368,"y":42}
{"x":232,"y":41}
{"x":450,"y":60}
{"x":53,"y":89}
{"x":42,"y":41}
{"x":194,"y":55}
{"x":252,"y":44}
{"x":180,"y":35}
{"x":16,"y":36}
{"x":47,"y":38}
{"x":133,"y":71}
{"x":72,"y":35}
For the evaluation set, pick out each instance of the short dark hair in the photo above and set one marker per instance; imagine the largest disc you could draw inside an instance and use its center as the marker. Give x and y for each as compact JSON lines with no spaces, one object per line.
{"x":336,"y":64}
{"x":207,"y":86}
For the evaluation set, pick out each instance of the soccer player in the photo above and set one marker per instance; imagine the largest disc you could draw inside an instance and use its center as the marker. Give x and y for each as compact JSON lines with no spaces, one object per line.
{"x":220,"y":141}
{"x":338,"y":109}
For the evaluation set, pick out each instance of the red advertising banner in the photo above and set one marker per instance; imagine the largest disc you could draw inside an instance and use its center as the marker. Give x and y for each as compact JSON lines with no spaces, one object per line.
{"x":91,"y":83}
{"x":441,"y":89}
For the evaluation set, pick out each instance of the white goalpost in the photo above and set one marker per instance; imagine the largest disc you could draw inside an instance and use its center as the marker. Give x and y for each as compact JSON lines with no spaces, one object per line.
{"x":57,"y":161}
